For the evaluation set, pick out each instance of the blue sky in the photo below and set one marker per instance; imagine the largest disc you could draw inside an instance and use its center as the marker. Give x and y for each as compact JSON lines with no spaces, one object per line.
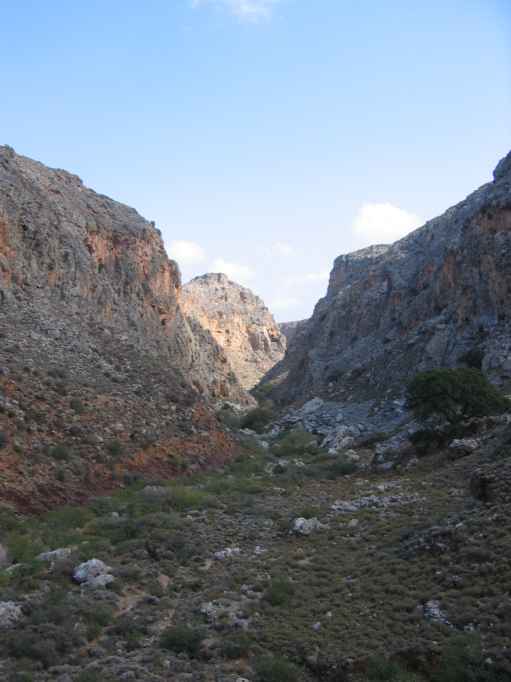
{"x":264,"y":137}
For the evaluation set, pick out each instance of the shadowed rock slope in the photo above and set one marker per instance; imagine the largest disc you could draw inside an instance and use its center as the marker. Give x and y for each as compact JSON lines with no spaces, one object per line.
{"x":239,"y":322}
{"x":96,"y":356}
{"x":438,"y":297}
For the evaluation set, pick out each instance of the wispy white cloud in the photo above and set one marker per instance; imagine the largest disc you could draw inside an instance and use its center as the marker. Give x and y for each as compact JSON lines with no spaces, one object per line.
{"x":235,"y":271}
{"x":246,"y":10}
{"x":383,"y":223}
{"x":187,"y":253}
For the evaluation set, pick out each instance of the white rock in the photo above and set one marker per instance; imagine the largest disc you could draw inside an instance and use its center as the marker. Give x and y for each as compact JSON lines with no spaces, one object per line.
{"x":10,"y":614}
{"x":464,"y":446}
{"x":302,"y":526}
{"x":227,"y":553}
{"x":3,"y":556}
{"x":94,"y":573}
{"x":56,"y":554}
{"x":312,"y":406}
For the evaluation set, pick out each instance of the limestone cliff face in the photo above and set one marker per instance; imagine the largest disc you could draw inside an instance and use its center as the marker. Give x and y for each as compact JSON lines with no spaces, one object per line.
{"x":89,"y":313}
{"x":239,"y":322}
{"x":69,"y":252}
{"x":423,"y":302}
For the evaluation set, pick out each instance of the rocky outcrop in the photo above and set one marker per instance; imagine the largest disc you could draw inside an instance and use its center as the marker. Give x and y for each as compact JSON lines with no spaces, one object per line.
{"x":95,"y":348}
{"x":290,"y":329}
{"x":439,"y":297}
{"x":239,"y":322}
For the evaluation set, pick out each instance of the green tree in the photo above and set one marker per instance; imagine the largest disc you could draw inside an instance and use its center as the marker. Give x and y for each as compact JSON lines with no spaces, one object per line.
{"x":455,"y":394}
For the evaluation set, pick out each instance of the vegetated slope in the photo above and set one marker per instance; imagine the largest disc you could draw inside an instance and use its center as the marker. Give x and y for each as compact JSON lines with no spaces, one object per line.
{"x":272,"y":570}
{"x":95,"y":348}
{"x":239,"y":322}
{"x":427,"y":301}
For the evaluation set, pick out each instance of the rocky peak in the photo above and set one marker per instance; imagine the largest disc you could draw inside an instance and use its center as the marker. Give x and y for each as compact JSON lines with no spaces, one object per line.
{"x":239,"y":322}
{"x":503,"y":169}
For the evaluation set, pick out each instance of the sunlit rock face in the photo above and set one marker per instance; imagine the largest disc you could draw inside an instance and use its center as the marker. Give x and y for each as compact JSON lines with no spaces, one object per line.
{"x":239,"y":322}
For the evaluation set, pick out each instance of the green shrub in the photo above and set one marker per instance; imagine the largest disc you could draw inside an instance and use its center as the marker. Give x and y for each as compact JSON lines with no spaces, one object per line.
{"x":229,"y":417}
{"x":294,"y":443}
{"x":426,"y":440}
{"x":258,"y":418}
{"x":279,"y":592}
{"x":77,"y":406}
{"x":455,"y":394}
{"x":130,"y":630}
{"x":182,"y":639}
{"x":383,"y":670}
{"x":114,"y":448}
{"x":463,"y":661}
{"x":473,"y":358}
{"x":236,"y":646}
{"x":275,"y":669}
{"x":262,"y":391}
{"x":59,"y":452}
{"x":32,"y":645}
{"x":340,"y":467}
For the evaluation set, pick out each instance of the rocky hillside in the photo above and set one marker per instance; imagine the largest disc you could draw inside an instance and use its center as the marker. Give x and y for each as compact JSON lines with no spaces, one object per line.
{"x":97,"y":358}
{"x":276,"y":569}
{"x":239,"y":322}
{"x":439,"y":297}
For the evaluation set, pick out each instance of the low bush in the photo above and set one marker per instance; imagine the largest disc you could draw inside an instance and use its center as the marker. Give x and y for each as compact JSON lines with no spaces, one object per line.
{"x":463,"y":660}
{"x":258,"y":418}
{"x":182,"y":639}
{"x":76,"y":405}
{"x":279,"y":592}
{"x":229,"y":417}
{"x":295,"y":443}
{"x":275,"y":669}
{"x":383,"y":670}
{"x":237,"y":645}
{"x":473,"y":358}
{"x":59,"y":452}
{"x":114,"y":448}
{"x":426,"y":440}
{"x":341,"y":466}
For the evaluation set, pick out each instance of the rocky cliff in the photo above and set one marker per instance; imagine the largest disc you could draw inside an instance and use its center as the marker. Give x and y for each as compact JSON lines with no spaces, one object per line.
{"x":239,"y":322}
{"x":438,"y":297}
{"x":290,"y":329}
{"x":96,"y":354}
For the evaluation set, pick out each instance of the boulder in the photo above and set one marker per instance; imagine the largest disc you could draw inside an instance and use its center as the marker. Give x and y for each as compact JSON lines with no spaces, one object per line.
{"x":461,"y":447}
{"x":93,"y":573}
{"x":10,"y":614}
{"x":302,"y":526}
